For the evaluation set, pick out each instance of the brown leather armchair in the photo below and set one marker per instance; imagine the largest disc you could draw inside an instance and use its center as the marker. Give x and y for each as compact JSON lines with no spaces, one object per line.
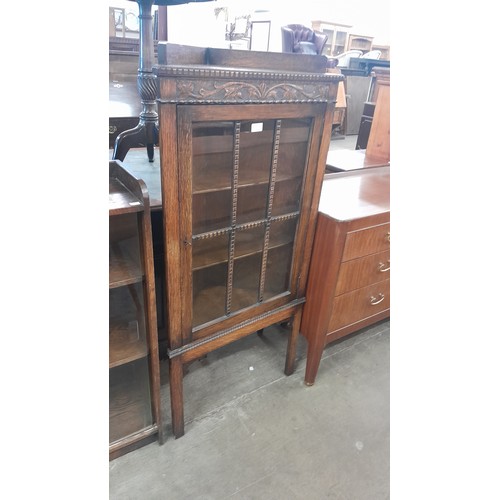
{"x":300,"y":39}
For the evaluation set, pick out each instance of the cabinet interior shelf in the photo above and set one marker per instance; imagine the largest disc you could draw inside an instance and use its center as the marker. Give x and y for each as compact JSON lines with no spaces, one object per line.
{"x":209,"y":300}
{"x":211,"y":181}
{"x":124,"y":264}
{"x":214,"y":251}
{"x":125,"y":343}
{"x":129,"y":401}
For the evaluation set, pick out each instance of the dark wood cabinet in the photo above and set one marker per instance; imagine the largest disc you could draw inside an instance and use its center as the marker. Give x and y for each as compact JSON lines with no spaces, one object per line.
{"x":134,"y":377}
{"x":349,"y":279}
{"x":243,"y":144}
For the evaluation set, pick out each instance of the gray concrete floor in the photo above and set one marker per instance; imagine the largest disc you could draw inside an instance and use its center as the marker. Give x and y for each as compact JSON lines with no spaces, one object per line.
{"x":253,"y":433}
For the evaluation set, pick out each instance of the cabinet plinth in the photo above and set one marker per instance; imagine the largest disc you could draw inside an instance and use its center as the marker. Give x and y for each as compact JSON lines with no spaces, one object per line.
{"x":243,"y":144}
{"x":349,"y":279}
{"x":134,"y":375}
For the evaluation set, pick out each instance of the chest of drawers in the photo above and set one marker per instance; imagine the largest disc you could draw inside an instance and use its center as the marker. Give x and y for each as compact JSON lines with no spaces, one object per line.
{"x":349,"y":278}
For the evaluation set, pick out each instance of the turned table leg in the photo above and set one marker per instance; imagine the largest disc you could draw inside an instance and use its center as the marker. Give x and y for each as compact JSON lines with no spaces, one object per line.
{"x":146,"y":132}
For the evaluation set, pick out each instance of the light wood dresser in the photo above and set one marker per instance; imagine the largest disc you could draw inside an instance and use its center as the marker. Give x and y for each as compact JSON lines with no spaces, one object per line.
{"x":348,"y":286}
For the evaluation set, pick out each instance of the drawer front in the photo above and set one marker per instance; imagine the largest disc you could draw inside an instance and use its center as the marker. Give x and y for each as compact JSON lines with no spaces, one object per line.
{"x":366,"y":241}
{"x":364,"y":271}
{"x":359,"y":304}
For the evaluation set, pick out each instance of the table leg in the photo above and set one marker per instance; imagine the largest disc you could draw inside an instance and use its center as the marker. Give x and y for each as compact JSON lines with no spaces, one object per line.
{"x":146,"y":132}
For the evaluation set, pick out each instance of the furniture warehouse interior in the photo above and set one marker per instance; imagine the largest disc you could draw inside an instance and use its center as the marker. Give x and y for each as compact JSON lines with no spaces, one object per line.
{"x":249,"y":179}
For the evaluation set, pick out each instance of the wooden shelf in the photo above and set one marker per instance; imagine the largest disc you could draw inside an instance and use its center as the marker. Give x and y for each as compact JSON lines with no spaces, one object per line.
{"x":213,"y":251}
{"x":124,"y":264}
{"x":129,"y":400}
{"x":126,"y":343}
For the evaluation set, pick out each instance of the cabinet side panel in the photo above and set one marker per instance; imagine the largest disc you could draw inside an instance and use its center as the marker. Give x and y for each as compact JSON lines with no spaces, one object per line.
{"x":170,"y":205}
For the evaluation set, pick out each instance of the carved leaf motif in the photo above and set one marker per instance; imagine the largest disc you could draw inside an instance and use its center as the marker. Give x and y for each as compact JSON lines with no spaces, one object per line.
{"x":244,"y":90}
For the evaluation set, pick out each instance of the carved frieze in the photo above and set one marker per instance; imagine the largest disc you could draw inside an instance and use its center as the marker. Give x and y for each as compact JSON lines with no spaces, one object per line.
{"x":217,"y":86}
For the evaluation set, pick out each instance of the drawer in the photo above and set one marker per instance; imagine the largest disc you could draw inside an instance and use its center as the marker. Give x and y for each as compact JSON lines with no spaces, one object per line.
{"x":359,"y":304}
{"x":366,"y":241}
{"x":364,"y":271}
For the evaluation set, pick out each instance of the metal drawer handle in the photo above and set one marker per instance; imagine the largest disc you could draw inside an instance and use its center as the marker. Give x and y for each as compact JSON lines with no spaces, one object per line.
{"x":388,"y":237}
{"x":383,"y":268}
{"x":374,"y":301}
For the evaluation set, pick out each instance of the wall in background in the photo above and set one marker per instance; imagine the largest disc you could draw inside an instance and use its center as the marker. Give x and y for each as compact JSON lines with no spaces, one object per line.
{"x":197,"y":23}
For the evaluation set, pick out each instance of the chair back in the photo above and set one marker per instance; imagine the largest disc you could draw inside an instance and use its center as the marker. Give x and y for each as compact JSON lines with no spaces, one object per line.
{"x":300,"y":39}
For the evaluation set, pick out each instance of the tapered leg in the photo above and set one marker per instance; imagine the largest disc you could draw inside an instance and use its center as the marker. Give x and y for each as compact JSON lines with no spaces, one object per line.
{"x":314,"y":351}
{"x":292,"y":343}
{"x":176,"y":396}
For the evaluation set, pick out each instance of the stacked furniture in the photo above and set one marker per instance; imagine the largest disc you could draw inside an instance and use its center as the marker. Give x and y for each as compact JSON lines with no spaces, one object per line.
{"x":243,"y":143}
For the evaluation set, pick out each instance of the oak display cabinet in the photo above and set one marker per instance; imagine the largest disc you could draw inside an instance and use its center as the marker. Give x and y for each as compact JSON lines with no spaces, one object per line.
{"x":243,"y":144}
{"x":134,"y":376}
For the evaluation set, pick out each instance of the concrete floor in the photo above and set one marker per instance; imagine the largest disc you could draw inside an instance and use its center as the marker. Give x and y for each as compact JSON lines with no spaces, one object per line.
{"x":253,"y":433}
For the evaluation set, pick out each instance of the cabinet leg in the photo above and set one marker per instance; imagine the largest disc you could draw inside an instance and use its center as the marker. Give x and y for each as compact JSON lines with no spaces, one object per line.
{"x":176,"y":396}
{"x":314,"y":352}
{"x":292,"y":343}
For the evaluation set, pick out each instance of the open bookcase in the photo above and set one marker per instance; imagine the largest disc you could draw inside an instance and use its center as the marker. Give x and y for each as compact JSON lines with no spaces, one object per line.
{"x":134,"y":376}
{"x":243,"y":144}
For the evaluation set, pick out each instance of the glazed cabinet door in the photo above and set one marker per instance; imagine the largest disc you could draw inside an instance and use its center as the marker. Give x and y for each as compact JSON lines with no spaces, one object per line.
{"x":242,"y":185}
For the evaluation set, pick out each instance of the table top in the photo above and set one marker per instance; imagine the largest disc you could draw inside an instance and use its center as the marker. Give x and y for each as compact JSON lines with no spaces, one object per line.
{"x":353,"y":195}
{"x":136,"y":162}
{"x":343,"y":160}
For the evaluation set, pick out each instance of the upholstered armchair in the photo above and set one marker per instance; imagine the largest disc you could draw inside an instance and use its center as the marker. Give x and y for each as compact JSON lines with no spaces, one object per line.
{"x":300,"y":39}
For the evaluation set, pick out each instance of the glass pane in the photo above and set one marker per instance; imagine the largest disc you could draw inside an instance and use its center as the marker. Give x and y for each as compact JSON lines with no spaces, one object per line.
{"x":255,"y":161}
{"x":282,"y":232}
{"x":129,"y":399}
{"x":245,"y":290}
{"x":279,"y":261}
{"x":213,"y":160}
{"x":209,"y":293}
{"x":210,"y":251}
{"x":211,"y":211}
{"x":246,"y":273}
{"x":292,"y":157}
{"x":252,"y":203}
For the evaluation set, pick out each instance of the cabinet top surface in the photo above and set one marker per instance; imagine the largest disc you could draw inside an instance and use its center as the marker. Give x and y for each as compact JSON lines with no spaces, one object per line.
{"x":352,"y":195}
{"x":175,"y":59}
